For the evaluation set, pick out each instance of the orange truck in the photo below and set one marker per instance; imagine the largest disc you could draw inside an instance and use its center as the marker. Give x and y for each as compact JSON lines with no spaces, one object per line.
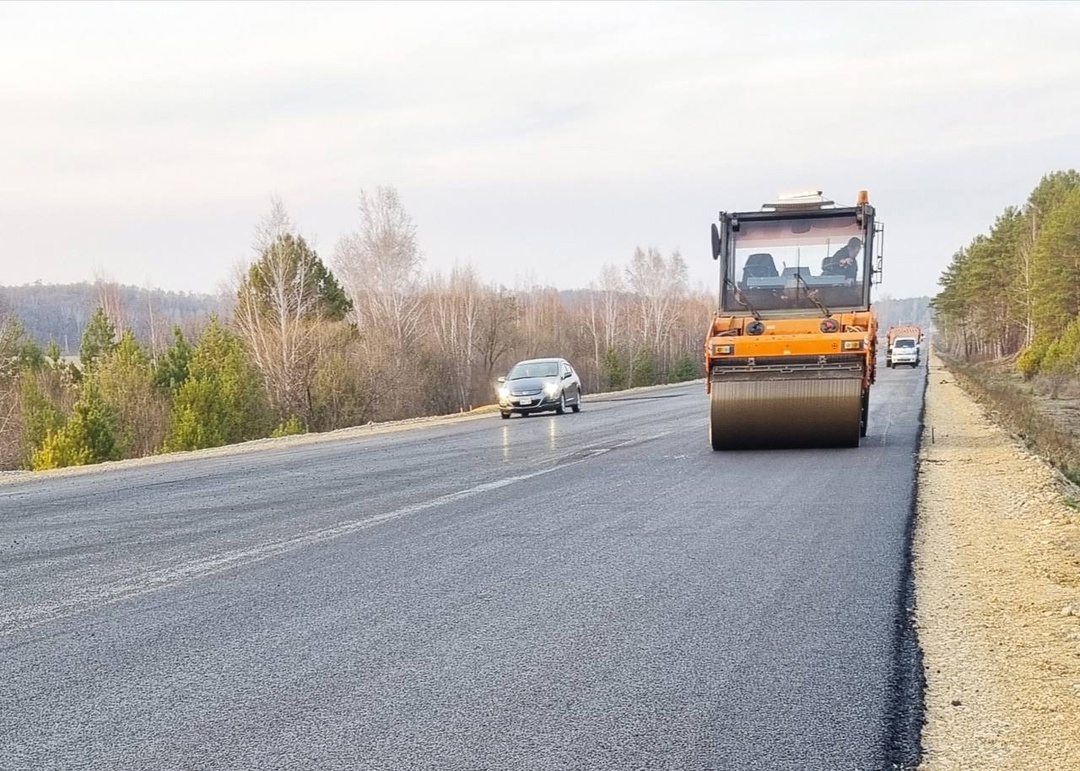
{"x":791,"y":352}
{"x":902,"y":345}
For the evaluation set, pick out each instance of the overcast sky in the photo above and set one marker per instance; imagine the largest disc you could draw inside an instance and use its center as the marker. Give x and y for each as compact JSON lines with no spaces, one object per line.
{"x":141,"y":142}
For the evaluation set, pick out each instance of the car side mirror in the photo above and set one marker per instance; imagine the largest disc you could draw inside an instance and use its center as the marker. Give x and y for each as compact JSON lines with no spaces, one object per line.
{"x":565,"y":375}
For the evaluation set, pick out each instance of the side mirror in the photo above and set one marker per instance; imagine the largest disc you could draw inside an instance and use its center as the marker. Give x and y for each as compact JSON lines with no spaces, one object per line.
{"x":501,"y":380}
{"x":565,"y":375}
{"x":715,"y":241}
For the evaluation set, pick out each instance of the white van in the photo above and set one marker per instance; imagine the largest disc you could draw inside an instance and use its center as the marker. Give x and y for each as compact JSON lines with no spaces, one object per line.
{"x":904,"y":350}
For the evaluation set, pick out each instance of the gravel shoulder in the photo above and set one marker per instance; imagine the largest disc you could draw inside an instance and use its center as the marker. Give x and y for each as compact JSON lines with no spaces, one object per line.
{"x":997,"y":572}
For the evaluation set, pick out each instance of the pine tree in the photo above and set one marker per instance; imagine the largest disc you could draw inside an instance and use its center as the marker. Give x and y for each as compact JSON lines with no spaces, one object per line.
{"x":98,"y":338}
{"x":1056,"y":268}
{"x":172,"y":367}
{"x":86,"y":438}
{"x":125,"y":378}
{"x":644,"y":369}
{"x":290,"y":277}
{"x":685,"y":368}
{"x":222,"y":401}
{"x":614,"y":371}
{"x":40,"y":416}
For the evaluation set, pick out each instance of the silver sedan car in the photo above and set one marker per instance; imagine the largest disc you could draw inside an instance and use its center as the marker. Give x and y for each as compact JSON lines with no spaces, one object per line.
{"x":537,"y":385}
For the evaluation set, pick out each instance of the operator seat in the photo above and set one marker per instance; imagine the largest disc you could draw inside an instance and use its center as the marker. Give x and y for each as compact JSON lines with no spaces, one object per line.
{"x":759,"y":265}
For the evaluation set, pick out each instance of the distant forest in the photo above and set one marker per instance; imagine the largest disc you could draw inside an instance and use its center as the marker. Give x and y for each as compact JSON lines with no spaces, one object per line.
{"x":59,"y":313}
{"x":906,"y":310}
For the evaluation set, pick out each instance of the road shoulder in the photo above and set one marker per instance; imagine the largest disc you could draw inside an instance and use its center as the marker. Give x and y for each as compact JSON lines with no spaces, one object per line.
{"x":997,"y":572}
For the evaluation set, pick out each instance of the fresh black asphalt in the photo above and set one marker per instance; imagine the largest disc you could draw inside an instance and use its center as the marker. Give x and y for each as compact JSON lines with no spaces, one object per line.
{"x":589,"y":591}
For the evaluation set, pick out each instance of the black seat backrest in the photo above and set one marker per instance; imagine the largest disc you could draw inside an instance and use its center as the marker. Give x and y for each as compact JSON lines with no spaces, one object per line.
{"x":759,"y":265}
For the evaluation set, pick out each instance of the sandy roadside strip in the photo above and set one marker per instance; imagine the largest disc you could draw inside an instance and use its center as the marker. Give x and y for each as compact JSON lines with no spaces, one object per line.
{"x":997,"y":574}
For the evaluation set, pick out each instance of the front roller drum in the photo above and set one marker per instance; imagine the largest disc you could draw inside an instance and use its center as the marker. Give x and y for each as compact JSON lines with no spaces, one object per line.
{"x":764,"y":413}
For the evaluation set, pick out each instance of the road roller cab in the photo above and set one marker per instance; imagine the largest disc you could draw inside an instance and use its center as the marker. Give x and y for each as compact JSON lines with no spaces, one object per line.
{"x":790,"y":354}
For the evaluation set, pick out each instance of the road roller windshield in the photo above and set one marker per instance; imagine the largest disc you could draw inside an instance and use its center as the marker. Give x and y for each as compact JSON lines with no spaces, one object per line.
{"x":794,"y":263}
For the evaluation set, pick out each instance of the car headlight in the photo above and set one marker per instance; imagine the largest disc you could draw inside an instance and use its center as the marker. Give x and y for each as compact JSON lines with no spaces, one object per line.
{"x":551,"y":388}
{"x":503,"y":392}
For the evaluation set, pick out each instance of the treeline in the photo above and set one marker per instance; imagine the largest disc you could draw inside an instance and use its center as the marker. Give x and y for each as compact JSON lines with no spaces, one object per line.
{"x":59,"y":313}
{"x":307,"y":344}
{"x":906,"y":310}
{"x":1014,"y":292}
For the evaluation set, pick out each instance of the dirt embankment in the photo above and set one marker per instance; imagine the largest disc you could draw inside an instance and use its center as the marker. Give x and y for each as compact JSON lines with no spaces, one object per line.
{"x":997,"y":571}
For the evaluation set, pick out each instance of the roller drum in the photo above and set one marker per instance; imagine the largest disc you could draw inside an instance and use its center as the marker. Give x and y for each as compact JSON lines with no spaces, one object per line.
{"x":777,"y":411}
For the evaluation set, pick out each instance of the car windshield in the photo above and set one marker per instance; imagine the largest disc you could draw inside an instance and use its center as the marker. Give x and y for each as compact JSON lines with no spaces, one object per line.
{"x":534,"y":369}
{"x":789,"y":263}
{"x":905,"y":343}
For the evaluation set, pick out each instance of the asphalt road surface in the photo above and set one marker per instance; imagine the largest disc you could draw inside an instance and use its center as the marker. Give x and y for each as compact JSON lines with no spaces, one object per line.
{"x":589,"y":591}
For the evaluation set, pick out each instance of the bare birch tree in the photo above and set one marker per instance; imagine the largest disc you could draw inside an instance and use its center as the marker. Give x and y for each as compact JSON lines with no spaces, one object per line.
{"x":659,"y":286}
{"x":612,"y":290}
{"x":602,"y":318}
{"x":454,"y":316}
{"x":380,"y":269}
{"x":540,"y":320}
{"x":379,"y":266}
{"x":498,"y":332}
{"x":111,"y":301}
{"x":594,"y":325}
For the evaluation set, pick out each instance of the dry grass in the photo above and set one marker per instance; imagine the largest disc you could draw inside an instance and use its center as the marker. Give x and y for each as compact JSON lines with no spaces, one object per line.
{"x":1046,"y":419}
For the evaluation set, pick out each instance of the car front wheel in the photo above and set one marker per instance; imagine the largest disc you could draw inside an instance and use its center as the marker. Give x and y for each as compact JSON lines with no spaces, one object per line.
{"x":561,"y":408}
